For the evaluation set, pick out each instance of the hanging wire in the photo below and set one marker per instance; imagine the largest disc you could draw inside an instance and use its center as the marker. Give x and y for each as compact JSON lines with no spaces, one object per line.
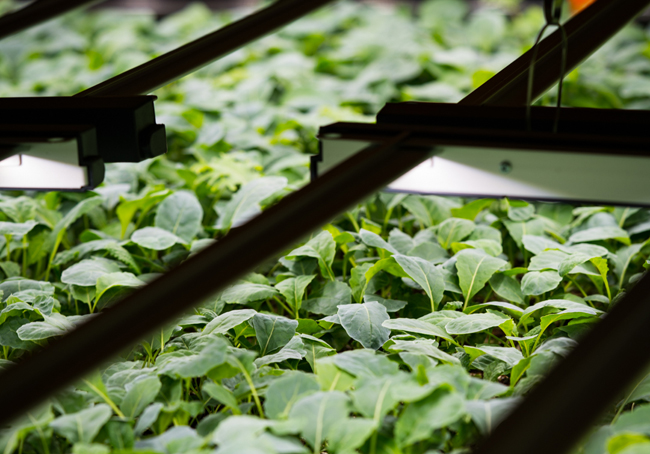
{"x":552,"y":13}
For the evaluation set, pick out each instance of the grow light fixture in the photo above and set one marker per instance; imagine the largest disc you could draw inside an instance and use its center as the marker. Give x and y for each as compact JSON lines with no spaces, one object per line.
{"x":49,"y":158}
{"x":63,"y":143}
{"x":600,"y":156}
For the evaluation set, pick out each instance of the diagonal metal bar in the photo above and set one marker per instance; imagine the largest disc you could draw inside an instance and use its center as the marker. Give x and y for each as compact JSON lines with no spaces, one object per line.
{"x":173,"y":65}
{"x":37,"y":12}
{"x":124,"y":324}
{"x":586,"y":32}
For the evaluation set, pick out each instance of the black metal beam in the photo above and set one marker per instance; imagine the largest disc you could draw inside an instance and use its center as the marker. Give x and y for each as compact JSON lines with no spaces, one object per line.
{"x":586,"y":32}
{"x":173,"y":65}
{"x":37,"y":12}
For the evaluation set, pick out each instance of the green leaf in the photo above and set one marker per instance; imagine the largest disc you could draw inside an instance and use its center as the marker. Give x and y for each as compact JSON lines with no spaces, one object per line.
{"x":86,"y":272}
{"x":321,"y":247}
{"x":475,"y":268}
{"x":429,"y":210}
{"x":363,"y":323}
{"x":601,"y":264}
{"x":628,"y":443}
{"x":417,"y":326}
{"x":390,"y":305}
{"x":454,"y":230}
{"x":139,"y":394}
{"x":519,"y":229}
{"x":237,"y":432}
{"x":487,"y":414}
{"x":127,"y":208}
{"x":225,"y":322}
{"x":538,"y":282}
{"x":347,"y":435}
{"x":490,"y":246}
{"x":112,"y":287}
{"x":475,"y":323}
{"x":424,"y":347}
{"x":331,"y":377}
{"x":426,"y":275}
{"x":317,"y":416}
{"x":272,"y":332}
{"x":315,"y":349}
{"x":429,"y":251}
{"x":294,"y":349}
{"x":365,"y":363}
{"x":222,"y":395}
{"x":601,"y":233}
{"x":11,"y":228}
{"x":327,"y":300}
{"x":71,"y":216}
{"x":472,"y":209}
{"x":9,"y":334}
{"x":519,"y":210}
{"x":155,"y":238}
{"x":400,"y":241}
{"x":293,"y":290}
{"x":507,"y":287}
{"x":247,"y":202}
{"x":514,"y":311}
{"x":374,"y":397}
{"x":623,"y":258}
{"x":188,"y":364}
{"x":247,"y":292}
{"x":572,"y":261}
{"x":483,"y":389}
{"x":510,"y":356}
{"x":537,"y":244}
{"x":283,"y":393}
{"x":180,"y":214}
{"x":54,"y":325}
{"x":557,"y":304}
{"x":374,"y":240}
{"x":420,"y":419}
{"x":84,"y":425}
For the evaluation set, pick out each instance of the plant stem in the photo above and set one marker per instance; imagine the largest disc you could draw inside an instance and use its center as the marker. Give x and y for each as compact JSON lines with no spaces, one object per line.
{"x":107,"y":399}
{"x":353,"y":221}
{"x":584,"y":294}
{"x":24,"y":255}
{"x":286,"y":308}
{"x":249,"y":380}
{"x":620,"y":409}
{"x":59,"y":237}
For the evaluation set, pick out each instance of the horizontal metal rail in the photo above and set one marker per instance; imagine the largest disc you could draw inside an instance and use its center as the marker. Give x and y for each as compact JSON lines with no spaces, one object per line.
{"x":586,"y":32}
{"x":37,"y":12}
{"x":173,"y":65}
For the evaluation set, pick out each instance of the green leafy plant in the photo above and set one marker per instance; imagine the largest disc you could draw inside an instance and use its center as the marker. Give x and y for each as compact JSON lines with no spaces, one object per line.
{"x":409,"y":324}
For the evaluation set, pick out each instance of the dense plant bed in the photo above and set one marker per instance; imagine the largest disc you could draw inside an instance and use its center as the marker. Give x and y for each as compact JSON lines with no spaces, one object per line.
{"x":409,"y":324}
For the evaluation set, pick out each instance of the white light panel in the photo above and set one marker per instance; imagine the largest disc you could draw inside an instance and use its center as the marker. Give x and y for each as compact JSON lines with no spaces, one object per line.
{"x":47,"y":165}
{"x":496,"y":172}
